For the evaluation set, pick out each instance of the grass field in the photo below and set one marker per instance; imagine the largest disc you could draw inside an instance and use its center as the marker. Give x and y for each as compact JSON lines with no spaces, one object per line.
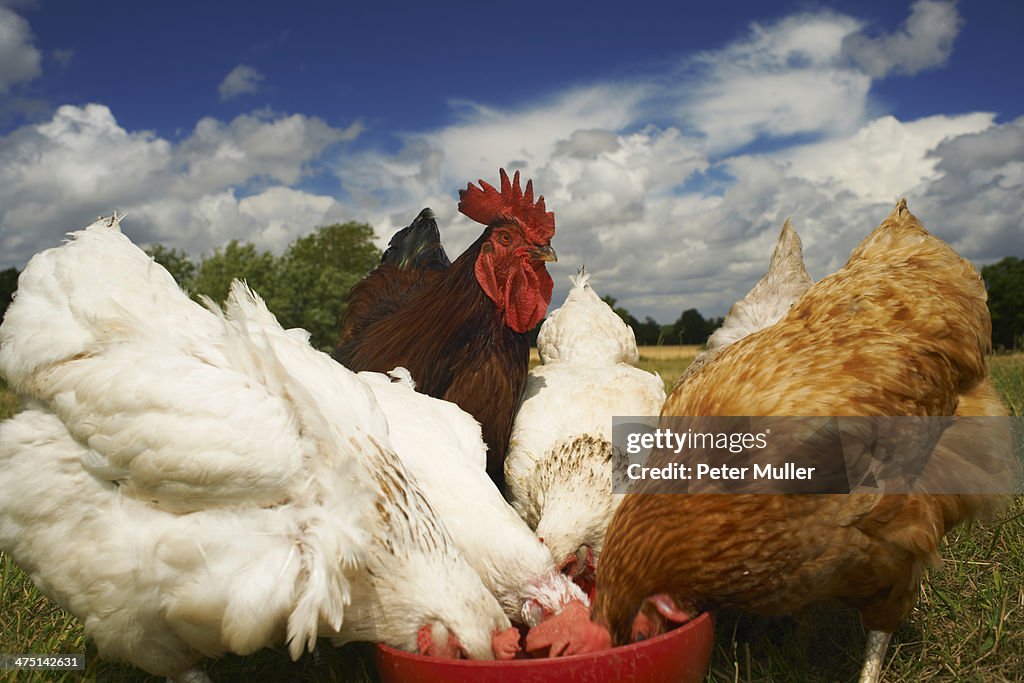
{"x":968,"y":625}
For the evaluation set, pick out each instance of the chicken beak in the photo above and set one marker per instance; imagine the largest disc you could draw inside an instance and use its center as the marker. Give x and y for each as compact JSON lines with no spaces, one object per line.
{"x":543,"y":254}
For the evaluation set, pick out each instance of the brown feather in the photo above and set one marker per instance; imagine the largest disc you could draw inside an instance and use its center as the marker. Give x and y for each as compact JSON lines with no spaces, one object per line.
{"x":902,"y":329}
{"x":450,"y":336}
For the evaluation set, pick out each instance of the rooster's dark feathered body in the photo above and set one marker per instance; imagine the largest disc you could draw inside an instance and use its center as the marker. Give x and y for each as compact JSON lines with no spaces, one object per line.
{"x":460,"y":329}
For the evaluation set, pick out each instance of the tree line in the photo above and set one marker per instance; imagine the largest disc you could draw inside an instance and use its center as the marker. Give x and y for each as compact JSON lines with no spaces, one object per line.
{"x":1005,"y":284}
{"x":689,"y":328}
{"x":308,"y":285}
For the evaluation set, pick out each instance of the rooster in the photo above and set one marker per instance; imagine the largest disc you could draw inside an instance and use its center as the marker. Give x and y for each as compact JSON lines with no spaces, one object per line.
{"x":190,"y":482}
{"x":901,"y":329}
{"x":559,"y":467}
{"x":414,"y":258}
{"x":461,"y":331}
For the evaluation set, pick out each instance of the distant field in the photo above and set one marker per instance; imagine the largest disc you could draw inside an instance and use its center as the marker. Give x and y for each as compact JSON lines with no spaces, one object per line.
{"x":652,"y":353}
{"x":969,"y":624}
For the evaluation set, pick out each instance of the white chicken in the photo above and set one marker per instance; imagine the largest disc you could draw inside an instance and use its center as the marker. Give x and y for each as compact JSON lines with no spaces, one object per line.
{"x":442,"y":446}
{"x":559,"y":467}
{"x":765,"y":304}
{"x":189,"y":483}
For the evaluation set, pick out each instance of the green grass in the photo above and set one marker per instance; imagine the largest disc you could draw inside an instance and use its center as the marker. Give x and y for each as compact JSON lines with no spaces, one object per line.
{"x":1007,"y":374}
{"x":968,"y":625}
{"x":9,"y":403}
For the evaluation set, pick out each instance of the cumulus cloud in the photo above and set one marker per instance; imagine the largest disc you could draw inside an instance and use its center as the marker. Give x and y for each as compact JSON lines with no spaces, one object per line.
{"x":783,"y":79}
{"x":587,"y":144}
{"x":284,"y":213}
{"x":925,"y":42}
{"x":684,"y":213}
{"x":432,"y":165}
{"x":223,"y":181}
{"x":242,"y":80}
{"x":255,"y":145}
{"x":978,"y":199}
{"x":661,"y":184}
{"x":883,"y":160}
{"x":19,"y":58}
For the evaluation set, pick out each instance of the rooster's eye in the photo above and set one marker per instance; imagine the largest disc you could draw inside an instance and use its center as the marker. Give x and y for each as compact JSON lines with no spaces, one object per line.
{"x":504,"y":238}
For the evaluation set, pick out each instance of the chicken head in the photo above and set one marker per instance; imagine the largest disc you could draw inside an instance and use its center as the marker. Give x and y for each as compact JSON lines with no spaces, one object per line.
{"x":581,"y":567}
{"x":510,"y":268}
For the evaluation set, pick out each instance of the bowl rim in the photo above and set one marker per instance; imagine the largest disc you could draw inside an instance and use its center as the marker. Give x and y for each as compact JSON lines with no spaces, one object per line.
{"x":703,"y":620}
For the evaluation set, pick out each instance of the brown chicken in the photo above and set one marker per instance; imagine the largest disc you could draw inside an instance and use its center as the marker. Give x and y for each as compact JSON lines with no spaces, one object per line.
{"x":902,"y":330}
{"x":461,"y":330}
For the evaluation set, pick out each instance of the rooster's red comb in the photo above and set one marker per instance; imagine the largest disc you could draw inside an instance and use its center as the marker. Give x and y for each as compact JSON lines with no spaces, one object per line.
{"x":486,"y":205}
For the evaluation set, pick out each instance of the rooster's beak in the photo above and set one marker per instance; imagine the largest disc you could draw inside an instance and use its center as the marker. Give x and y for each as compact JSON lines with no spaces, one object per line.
{"x":543,"y":254}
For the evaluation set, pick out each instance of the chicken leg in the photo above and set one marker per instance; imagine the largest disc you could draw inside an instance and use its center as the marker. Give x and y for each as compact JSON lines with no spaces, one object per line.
{"x":193,"y":675}
{"x":878,"y":643}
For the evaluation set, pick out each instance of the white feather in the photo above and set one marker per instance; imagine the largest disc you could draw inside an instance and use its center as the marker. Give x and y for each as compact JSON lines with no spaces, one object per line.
{"x":443,"y":448}
{"x":764,"y":305}
{"x":301,"y":521}
{"x":559,"y":468}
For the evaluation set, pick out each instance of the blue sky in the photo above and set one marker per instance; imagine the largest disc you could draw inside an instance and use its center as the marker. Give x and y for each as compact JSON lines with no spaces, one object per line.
{"x":671,"y":139}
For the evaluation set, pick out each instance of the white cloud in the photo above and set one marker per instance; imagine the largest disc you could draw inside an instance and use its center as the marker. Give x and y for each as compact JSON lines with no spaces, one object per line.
{"x":271,"y":219}
{"x":587,"y":144}
{"x":659,"y":184}
{"x":978,"y":199}
{"x":390,"y":189}
{"x":685,"y":213}
{"x":744,"y":108}
{"x":926,"y":42}
{"x":284,"y":214}
{"x":255,"y":145}
{"x":79,"y":155}
{"x":642,"y":205}
{"x":242,"y":80}
{"x":57,"y":175}
{"x":19,"y":58}
{"x":783,"y":79}
{"x":885,"y":159}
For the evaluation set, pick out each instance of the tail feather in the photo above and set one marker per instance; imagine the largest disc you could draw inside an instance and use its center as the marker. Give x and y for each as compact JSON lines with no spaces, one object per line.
{"x":330,"y":545}
{"x":418,"y":246}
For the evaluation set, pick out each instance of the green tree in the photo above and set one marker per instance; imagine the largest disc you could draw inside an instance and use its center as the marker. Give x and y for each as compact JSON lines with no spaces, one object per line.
{"x":1005,"y":283}
{"x":8,"y":283}
{"x":235,"y":260}
{"x":314,"y":277}
{"x":177,"y":263}
{"x":692,"y":328}
{"x":648,"y":333}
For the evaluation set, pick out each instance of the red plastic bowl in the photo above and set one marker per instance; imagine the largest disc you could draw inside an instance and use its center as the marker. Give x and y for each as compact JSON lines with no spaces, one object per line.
{"x":679,"y":656}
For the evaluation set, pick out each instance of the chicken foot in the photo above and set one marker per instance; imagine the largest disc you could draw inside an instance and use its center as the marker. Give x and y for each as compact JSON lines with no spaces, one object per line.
{"x":874,"y":654}
{"x":193,"y":675}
